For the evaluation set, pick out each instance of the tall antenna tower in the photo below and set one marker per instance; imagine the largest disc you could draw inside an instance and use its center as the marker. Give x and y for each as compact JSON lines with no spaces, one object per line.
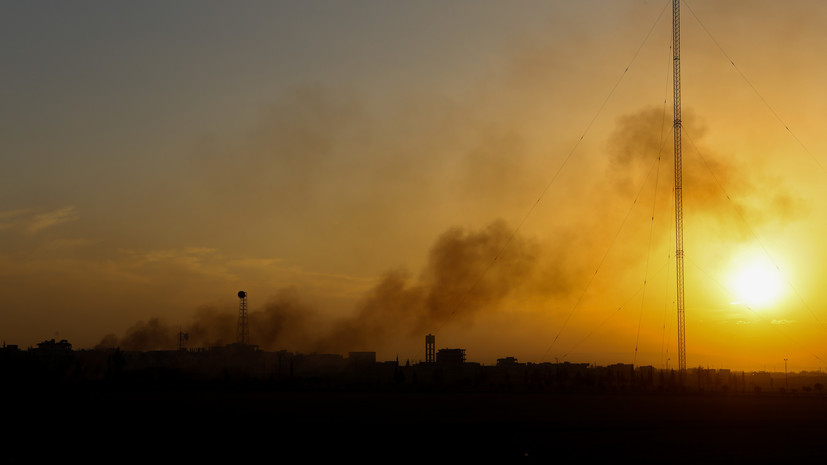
{"x":243,"y":334}
{"x":676,"y":66}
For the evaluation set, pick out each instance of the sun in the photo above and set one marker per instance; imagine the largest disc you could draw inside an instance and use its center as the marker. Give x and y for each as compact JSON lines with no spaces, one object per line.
{"x":756,"y":284}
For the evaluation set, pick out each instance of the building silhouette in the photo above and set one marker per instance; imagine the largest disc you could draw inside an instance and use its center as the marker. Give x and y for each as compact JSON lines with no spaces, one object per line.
{"x":451,"y":357}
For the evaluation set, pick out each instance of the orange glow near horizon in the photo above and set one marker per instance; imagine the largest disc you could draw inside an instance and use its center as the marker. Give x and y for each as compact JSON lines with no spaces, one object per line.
{"x":361,"y":172}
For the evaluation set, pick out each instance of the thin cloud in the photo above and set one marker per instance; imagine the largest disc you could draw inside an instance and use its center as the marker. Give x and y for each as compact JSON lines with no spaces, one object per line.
{"x":202,"y":261}
{"x":41,"y":221}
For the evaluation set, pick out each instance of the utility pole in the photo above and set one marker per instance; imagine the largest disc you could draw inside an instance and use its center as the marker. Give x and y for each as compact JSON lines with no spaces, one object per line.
{"x":676,"y":67}
{"x":786,"y":381}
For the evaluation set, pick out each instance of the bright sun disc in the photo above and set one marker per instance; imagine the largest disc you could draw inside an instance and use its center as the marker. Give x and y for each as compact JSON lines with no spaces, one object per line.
{"x":756,"y":285}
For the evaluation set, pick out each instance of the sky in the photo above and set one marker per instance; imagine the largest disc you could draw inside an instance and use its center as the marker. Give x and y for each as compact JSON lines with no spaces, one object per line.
{"x":499,"y":174}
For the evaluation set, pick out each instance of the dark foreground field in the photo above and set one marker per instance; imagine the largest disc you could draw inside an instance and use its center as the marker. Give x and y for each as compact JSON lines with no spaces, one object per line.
{"x":294,"y":427}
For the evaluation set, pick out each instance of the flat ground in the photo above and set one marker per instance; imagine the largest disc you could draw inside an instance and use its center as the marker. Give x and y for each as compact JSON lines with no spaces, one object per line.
{"x":234,"y":426}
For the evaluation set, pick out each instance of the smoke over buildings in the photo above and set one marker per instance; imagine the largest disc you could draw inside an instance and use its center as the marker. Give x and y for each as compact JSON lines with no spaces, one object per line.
{"x":472,"y":274}
{"x":467,"y":273}
{"x":355,"y":199}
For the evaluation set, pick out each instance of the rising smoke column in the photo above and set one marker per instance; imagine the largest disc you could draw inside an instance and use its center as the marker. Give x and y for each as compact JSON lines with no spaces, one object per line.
{"x":467,"y":273}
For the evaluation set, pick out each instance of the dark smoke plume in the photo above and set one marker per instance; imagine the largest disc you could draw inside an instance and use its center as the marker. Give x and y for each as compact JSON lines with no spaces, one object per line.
{"x":283,"y":323}
{"x":460,"y":280}
{"x":151,"y":335}
{"x":713,"y":184}
{"x":467,"y":273}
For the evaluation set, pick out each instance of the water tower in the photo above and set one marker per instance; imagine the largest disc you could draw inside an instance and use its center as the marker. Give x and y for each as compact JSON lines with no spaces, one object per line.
{"x":430,"y":345}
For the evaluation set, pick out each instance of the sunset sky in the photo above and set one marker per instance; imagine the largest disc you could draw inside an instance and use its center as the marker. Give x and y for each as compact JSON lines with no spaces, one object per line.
{"x":369,"y":172}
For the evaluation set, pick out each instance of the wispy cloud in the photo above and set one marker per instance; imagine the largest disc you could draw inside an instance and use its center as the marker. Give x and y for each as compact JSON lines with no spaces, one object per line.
{"x":202,"y":261}
{"x":32,"y":221}
{"x":45,"y":220}
{"x":782,"y":322}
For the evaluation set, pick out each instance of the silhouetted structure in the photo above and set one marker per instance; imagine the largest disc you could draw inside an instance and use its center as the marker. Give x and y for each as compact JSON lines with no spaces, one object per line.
{"x":55,"y":347}
{"x":621,"y":374}
{"x":430,"y":347}
{"x":645,"y":376}
{"x":182,"y":336}
{"x":507,"y":362}
{"x":53,"y":364}
{"x":361,"y":358}
{"x":243,"y":336}
{"x":676,"y":75}
{"x":450,"y":357}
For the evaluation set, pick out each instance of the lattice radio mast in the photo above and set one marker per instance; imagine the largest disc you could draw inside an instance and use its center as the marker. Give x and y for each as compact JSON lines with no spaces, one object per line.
{"x":243,"y":334}
{"x":676,"y":66}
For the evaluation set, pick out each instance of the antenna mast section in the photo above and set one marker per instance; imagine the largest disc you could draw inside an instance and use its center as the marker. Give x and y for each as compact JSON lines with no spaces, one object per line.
{"x":243,"y":334}
{"x":676,"y":66}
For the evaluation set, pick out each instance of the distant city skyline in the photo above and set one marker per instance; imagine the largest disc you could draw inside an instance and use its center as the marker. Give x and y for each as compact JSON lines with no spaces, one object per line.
{"x":443,"y":356}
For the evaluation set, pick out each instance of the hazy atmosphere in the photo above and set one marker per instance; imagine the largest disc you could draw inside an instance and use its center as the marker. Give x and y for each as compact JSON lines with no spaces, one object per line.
{"x":499,"y":174}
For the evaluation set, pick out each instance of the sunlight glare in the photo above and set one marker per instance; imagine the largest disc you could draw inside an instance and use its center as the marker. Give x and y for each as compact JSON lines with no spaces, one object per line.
{"x":756,"y":285}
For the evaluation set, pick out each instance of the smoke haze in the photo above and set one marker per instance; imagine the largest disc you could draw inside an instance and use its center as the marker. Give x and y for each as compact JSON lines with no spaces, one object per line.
{"x":361,"y":182}
{"x":467,"y":273}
